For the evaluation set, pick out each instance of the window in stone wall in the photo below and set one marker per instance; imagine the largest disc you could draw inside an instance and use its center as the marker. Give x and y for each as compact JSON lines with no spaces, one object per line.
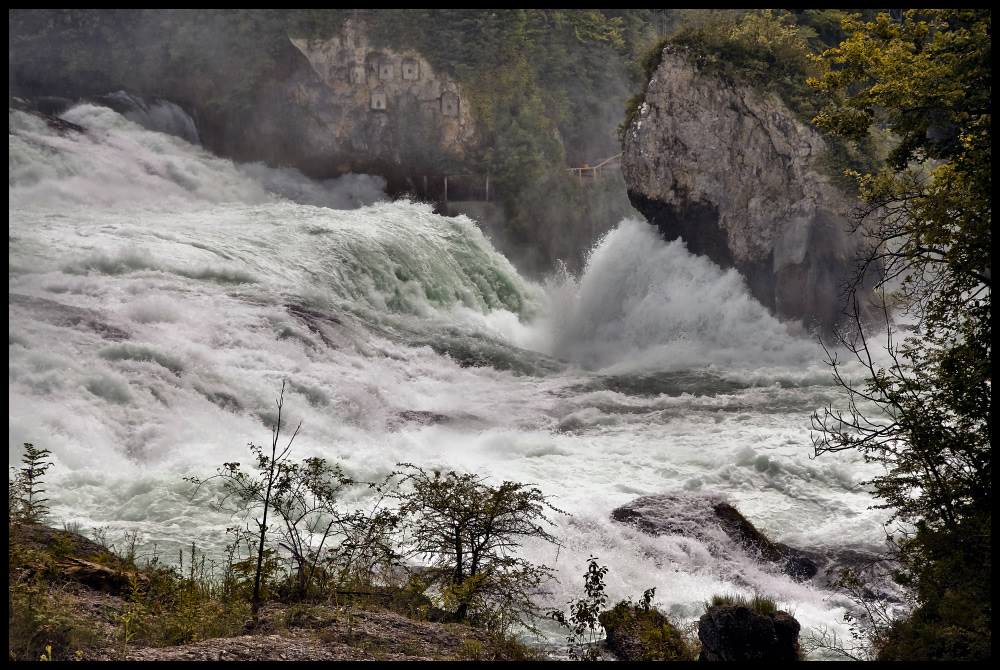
{"x":449,"y":103}
{"x":411,"y":69}
{"x":357,"y":73}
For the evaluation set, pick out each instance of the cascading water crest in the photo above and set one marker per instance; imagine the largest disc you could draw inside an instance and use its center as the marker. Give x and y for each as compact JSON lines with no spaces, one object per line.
{"x":349,"y":191}
{"x":115,"y":162}
{"x":162,"y":116}
{"x":121,"y":160}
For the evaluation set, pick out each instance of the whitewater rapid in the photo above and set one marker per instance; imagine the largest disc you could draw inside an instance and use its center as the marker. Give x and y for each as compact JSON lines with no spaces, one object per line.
{"x":159,"y":296}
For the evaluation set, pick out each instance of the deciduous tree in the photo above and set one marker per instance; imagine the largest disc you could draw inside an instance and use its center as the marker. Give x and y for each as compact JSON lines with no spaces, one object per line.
{"x":924,"y":411}
{"x":302,"y":495}
{"x":471,"y":532}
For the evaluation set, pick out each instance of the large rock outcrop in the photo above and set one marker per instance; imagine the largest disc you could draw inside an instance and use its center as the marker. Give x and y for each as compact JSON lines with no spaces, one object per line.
{"x":341,"y":105}
{"x":738,"y":633}
{"x":730,"y":172}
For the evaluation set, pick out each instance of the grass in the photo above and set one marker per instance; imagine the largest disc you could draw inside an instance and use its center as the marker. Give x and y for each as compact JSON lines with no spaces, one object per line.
{"x":756,"y":602}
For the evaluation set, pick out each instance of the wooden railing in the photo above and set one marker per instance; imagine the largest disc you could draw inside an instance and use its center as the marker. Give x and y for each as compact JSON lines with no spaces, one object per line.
{"x":595,"y":171}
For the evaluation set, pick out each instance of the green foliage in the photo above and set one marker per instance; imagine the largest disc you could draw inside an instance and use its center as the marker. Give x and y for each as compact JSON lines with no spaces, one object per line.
{"x":585,"y":631}
{"x":470,"y":533}
{"x":823,"y":28}
{"x":868,"y":621}
{"x":177,"y":606}
{"x":637,"y":631}
{"x":761,"y":47}
{"x":316,"y":24}
{"x":545,"y":88}
{"x":132,"y":612}
{"x":507,"y":646}
{"x":843,"y":158}
{"x":657,"y":638}
{"x":927,"y":216}
{"x":302,"y":495}
{"x":949,"y":574}
{"x":41,"y":618}
{"x":24,"y":490}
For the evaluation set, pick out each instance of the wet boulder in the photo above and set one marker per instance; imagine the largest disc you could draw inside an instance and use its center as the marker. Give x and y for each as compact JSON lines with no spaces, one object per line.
{"x":694,"y":516}
{"x":738,"y":633}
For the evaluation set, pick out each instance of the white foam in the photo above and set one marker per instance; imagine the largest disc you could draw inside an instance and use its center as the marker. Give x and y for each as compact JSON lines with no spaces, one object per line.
{"x":147,"y":343}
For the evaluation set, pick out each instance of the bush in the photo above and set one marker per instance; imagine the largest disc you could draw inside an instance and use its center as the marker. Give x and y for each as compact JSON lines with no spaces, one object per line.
{"x":302,"y":495}
{"x":41,"y":620}
{"x":641,"y":632}
{"x":583,"y":621}
{"x":922,"y":413}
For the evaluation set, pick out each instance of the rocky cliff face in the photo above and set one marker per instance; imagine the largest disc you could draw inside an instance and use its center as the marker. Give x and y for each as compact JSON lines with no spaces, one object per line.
{"x":339,"y":105}
{"x":730,"y":172}
{"x":383,"y":106}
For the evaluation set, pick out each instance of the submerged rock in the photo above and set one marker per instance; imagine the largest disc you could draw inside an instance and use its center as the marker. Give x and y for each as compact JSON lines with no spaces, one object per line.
{"x":737,"y":633}
{"x":672,"y":514}
{"x":795,"y":563}
{"x":46,"y":109}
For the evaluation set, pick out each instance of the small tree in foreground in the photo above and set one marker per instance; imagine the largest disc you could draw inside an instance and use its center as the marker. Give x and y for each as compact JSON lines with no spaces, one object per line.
{"x":633,"y":631}
{"x":470,"y":533}
{"x":583,"y":623}
{"x":24,"y":490}
{"x":302,"y":495}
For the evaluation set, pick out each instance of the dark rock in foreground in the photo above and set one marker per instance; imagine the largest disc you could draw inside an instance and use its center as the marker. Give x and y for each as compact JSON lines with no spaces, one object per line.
{"x":737,"y":633}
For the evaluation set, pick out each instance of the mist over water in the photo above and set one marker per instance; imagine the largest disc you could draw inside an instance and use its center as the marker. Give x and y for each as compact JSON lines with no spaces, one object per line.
{"x":144,"y":161}
{"x":642,"y":304}
{"x":159,"y":296}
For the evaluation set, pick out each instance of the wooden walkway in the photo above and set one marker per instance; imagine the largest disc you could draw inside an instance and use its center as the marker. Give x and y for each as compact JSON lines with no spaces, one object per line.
{"x":596,"y":171}
{"x":477,"y":188}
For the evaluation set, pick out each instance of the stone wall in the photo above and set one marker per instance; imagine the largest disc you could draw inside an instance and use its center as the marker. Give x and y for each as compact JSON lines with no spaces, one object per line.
{"x":383,"y":106}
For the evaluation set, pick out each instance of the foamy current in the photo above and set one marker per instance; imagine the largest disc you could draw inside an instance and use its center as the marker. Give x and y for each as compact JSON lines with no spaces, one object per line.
{"x":159,"y":296}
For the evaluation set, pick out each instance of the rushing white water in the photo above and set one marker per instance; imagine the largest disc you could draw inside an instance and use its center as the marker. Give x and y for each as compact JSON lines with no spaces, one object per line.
{"x":159,"y":296}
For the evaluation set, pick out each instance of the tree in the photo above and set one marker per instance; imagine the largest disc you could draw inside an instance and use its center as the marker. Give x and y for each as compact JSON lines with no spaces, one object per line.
{"x":583,"y":623}
{"x":924,"y":411}
{"x":302,"y":495}
{"x":24,"y":492}
{"x":470,"y":532}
